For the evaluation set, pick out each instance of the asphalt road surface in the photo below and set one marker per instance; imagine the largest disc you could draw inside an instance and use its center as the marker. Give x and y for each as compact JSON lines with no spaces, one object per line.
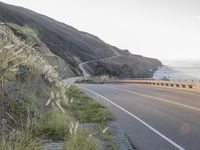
{"x":152,"y":118}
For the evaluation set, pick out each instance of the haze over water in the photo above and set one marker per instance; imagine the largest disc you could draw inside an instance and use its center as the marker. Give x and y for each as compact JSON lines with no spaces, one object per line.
{"x":179,"y":69}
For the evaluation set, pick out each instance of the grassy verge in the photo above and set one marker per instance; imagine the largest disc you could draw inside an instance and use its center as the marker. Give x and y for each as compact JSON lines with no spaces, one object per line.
{"x":81,"y":141}
{"x":53,"y":125}
{"x":85,"y":109}
{"x":110,"y":141}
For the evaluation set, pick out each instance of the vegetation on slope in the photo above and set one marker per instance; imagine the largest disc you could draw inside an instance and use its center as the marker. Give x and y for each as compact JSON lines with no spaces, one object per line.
{"x":75,"y":46}
{"x":35,"y":104}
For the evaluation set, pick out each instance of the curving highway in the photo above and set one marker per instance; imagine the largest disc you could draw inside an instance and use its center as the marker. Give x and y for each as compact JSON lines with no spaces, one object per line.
{"x":81,"y":65}
{"x":152,"y":118}
{"x":85,"y":74}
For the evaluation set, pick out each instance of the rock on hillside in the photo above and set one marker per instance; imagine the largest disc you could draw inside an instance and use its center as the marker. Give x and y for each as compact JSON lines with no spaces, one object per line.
{"x":72,"y":45}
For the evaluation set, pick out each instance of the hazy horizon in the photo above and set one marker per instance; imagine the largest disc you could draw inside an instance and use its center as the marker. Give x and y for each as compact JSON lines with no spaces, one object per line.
{"x":163,"y":29}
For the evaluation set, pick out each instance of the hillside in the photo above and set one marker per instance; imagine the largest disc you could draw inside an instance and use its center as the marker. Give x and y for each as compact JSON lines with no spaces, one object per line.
{"x":37,"y":109}
{"x":74,"y":46}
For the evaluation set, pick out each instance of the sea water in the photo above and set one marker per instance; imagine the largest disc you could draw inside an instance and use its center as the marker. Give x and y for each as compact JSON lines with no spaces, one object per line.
{"x":179,"y":70}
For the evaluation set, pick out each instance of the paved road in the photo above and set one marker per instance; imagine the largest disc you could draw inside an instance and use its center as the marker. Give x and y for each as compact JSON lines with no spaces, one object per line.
{"x":72,"y":80}
{"x":85,"y":73}
{"x":81,"y":65}
{"x":153,"y":118}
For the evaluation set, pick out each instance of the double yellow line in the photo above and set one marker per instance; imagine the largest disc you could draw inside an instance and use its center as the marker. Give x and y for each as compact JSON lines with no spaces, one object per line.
{"x":160,"y":99}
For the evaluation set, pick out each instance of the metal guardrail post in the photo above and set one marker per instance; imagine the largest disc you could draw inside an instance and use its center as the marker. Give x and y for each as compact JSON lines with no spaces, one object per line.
{"x":188,"y":85}
{"x":198,"y":87}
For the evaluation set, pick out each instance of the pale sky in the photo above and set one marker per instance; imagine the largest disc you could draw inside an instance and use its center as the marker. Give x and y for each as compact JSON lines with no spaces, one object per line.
{"x":164,"y":29}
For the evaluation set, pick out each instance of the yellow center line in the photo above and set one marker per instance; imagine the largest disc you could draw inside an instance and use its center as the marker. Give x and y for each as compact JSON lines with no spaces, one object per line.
{"x":179,"y":90}
{"x":161,"y":99}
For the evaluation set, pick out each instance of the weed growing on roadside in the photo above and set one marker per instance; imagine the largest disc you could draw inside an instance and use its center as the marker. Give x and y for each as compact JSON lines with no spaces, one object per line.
{"x":54,"y":125}
{"x":81,"y":141}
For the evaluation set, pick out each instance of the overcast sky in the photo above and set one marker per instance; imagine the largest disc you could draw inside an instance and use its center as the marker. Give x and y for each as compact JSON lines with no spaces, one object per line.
{"x":164,"y":29}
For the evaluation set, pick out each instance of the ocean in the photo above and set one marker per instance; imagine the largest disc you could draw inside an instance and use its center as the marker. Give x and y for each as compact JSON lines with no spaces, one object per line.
{"x":179,"y":70}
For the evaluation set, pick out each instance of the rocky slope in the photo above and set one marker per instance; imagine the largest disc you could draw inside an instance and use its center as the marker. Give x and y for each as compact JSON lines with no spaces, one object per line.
{"x":74,"y":46}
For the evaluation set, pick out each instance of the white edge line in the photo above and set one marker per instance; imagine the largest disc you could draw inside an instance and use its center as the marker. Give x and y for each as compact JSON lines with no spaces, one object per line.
{"x":144,"y":123}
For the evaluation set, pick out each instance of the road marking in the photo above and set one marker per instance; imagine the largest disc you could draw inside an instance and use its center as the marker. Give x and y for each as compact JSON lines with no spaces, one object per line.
{"x":167,"y":89}
{"x":160,"y":99}
{"x":144,"y":123}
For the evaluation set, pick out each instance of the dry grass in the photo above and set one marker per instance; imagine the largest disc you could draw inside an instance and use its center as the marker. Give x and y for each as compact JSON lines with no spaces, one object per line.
{"x":81,"y":141}
{"x":56,"y":123}
{"x":23,"y":139}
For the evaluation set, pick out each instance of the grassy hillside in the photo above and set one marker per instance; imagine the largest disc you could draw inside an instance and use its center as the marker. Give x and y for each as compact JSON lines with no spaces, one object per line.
{"x":35,"y":104}
{"x":63,"y":40}
{"x":72,"y":45}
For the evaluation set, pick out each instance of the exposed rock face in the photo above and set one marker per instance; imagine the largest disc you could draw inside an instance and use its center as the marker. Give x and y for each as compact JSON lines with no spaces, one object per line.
{"x":74,"y":46}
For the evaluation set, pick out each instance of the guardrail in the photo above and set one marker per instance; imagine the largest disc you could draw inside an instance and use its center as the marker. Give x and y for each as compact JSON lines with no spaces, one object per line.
{"x":188,"y":86}
{"x":167,"y":79}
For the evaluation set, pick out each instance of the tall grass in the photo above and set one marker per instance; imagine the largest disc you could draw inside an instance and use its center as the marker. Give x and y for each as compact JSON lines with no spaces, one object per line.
{"x":85,"y":109}
{"x":19,"y":141}
{"x":81,"y":141}
{"x":14,"y":52}
{"x":23,"y":139}
{"x":54,"y":125}
{"x":11,"y":55}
